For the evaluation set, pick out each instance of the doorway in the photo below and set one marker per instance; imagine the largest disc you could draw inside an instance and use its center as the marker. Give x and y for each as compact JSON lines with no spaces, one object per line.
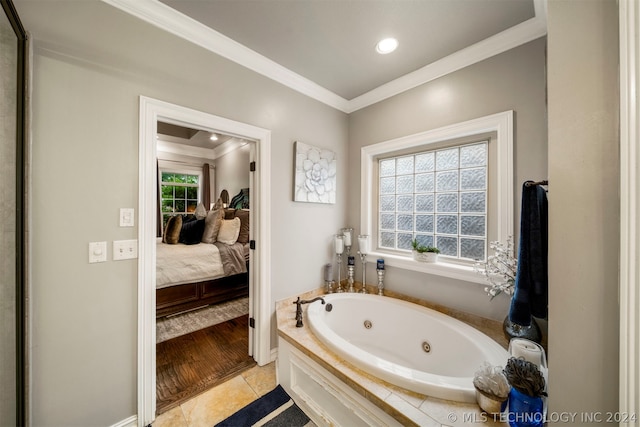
{"x":152,"y":111}
{"x":202,"y":296}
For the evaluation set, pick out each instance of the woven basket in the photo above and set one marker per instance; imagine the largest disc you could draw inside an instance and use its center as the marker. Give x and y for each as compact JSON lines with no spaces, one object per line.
{"x":488,"y":402}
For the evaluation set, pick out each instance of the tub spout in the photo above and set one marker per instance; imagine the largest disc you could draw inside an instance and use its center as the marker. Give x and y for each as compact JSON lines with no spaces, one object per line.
{"x":299,"y":303}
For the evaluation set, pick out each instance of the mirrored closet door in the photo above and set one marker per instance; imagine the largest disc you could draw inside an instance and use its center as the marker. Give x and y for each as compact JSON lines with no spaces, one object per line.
{"x":12,"y":198}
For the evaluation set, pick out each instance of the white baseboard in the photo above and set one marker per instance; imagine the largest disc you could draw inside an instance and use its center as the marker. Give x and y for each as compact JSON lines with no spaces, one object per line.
{"x":132,"y":421}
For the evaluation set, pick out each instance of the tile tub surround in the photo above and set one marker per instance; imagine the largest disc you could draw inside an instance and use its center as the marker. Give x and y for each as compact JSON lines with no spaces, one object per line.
{"x":407,"y":407}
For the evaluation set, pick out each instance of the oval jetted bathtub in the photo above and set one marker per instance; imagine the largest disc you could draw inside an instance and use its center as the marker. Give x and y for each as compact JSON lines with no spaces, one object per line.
{"x":406,"y":344}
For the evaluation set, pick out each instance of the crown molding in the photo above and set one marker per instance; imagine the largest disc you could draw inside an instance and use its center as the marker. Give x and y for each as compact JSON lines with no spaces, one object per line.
{"x":508,"y":39}
{"x":164,"y":146}
{"x":167,"y":145}
{"x":174,"y":22}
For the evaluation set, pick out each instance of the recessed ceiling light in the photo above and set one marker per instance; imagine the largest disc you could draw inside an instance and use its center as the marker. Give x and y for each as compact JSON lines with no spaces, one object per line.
{"x":213,"y":137}
{"x":386,"y":45}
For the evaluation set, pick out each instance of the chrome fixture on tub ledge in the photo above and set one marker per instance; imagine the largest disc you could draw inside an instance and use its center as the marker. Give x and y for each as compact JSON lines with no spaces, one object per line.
{"x":299,"y":303}
{"x":380,"y":271}
{"x":339,"y":248}
{"x":328,"y":278}
{"x":363,"y":243}
{"x":328,"y":286}
{"x":347,"y":234}
{"x":351,"y":265}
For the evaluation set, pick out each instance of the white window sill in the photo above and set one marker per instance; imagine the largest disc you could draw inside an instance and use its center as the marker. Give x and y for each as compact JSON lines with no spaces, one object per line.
{"x":439,"y":268}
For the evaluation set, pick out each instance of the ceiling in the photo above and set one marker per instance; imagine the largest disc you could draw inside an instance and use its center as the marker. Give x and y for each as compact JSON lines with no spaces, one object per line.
{"x":326,"y":48}
{"x":191,"y":137}
{"x":184,"y":141}
{"x":332,"y":43}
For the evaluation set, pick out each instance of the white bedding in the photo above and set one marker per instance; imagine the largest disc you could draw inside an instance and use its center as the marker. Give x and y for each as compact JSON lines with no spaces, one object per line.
{"x":179,"y":264}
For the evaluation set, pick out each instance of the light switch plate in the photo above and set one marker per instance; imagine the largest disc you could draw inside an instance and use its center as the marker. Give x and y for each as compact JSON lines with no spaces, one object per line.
{"x":125,"y":249}
{"x":97,"y":252}
{"x":127,"y":217}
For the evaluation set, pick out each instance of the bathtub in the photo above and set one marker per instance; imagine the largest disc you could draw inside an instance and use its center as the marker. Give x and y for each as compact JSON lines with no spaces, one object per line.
{"x":405,"y":344}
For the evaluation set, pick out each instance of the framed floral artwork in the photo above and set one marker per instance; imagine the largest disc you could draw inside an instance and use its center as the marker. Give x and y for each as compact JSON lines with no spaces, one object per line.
{"x":315,"y":174}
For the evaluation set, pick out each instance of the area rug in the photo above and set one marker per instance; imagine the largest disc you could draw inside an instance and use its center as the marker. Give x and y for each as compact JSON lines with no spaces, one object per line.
{"x":274,"y":409}
{"x":182,"y":324}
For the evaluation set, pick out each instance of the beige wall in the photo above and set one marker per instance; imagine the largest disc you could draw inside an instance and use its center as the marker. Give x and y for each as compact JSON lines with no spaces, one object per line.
{"x":514,"y":80}
{"x":91,"y":64}
{"x":583,"y":206}
{"x":232,"y":172}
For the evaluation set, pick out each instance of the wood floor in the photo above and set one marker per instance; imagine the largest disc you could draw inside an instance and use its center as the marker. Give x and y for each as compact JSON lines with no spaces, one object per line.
{"x":192,"y":363}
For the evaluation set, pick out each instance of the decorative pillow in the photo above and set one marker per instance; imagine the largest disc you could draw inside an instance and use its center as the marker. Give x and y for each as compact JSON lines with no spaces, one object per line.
{"x":212,"y":226}
{"x":172,"y":230}
{"x":229,"y":213}
{"x":187,"y":218}
{"x":243,"y":237}
{"x":192,"y":232}
{"x":229,"y":231}
{"x":218,"y":204}
{"x":200,"y":212}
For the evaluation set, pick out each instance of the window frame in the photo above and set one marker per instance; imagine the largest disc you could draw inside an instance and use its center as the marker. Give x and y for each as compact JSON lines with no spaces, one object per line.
{"x":181,"y":170}
{"x":502,"y":187}
{"x":458,"y":145}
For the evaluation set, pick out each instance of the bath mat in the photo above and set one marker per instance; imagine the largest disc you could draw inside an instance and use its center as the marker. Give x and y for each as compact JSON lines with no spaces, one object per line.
{"x":274,"y":409}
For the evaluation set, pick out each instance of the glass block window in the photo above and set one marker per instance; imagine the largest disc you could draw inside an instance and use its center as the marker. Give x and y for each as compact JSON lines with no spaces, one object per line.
{"x":437,"y":197}
{"x":179,"y":194}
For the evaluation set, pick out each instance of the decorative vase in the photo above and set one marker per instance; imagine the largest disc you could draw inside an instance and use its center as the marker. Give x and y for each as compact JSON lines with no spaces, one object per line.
{"x":425,"y":256}
{"x":524,"y":410}
{"x":514,"y":330}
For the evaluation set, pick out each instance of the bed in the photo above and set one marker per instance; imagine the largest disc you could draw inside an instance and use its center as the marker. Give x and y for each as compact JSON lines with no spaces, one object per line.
{"x":191,"y":274}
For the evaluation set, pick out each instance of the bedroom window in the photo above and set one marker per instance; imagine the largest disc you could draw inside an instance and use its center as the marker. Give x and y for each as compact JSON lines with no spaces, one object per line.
{"x":438,"y":197}
{"x":179,"y":194}
{"x":450,"y":187}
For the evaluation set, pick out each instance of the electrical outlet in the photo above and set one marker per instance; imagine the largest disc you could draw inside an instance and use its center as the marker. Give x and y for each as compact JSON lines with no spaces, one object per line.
{"x":97,"y":252}
{"x":125,"y":249}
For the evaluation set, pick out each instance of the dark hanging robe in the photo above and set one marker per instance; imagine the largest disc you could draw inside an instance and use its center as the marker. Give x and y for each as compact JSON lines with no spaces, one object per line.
{"x":531,"y":287}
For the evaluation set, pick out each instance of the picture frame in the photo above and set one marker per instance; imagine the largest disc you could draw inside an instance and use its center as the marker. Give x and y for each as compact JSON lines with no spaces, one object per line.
{"x":314,"y":174}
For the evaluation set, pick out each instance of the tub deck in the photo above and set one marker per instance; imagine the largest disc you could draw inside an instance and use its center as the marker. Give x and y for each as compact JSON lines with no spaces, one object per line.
{"x":407,"y":407}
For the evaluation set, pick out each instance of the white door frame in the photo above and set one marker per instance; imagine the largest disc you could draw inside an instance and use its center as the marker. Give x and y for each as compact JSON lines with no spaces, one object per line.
{"x":152,"y":110}
{"x":629,"y":292}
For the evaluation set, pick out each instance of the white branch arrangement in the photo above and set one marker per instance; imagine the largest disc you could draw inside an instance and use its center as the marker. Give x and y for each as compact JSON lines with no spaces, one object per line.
{"x":499,"y":269}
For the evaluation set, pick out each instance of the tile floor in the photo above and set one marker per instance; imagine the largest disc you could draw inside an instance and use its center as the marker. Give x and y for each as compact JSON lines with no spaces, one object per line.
{"x":218,"y":403}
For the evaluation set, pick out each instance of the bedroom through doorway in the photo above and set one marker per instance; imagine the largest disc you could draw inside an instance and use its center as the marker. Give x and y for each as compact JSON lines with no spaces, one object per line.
{"x":202,"y":261}
{"x":227,"y":306}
